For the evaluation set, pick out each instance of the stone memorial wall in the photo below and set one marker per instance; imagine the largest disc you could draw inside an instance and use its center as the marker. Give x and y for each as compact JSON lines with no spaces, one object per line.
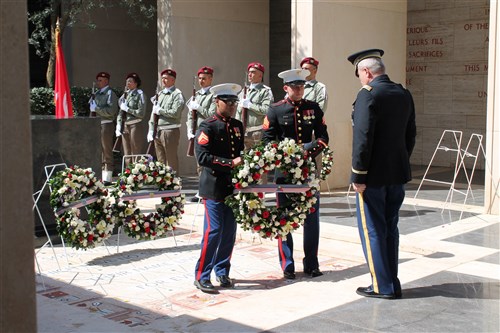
{"x":446,"y":71}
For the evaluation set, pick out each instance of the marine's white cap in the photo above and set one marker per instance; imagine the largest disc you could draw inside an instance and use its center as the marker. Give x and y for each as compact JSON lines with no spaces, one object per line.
{"x":294,"y":76}
{"x":226,"y":90}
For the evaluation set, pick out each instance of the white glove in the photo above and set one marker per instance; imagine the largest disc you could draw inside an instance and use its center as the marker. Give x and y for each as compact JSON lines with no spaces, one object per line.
{"x":246,"y":103}
{"x":118,"y":132}
{"x":153,"y":99}
{"x":156,"y":109}
{"x":93,"y":105}
{"x":191,"y":136}
{"x":193,"y":105}
{"x":150,"y":136}
{"x":124,"y":107}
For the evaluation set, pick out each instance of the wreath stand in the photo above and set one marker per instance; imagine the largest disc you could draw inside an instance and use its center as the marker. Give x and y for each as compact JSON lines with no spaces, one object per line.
{"x":49,"y":171}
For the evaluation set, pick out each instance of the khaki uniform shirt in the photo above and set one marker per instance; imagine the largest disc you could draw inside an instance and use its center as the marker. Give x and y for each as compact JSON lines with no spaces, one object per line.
{"x":136,"y":102}
{"x":261,"y":97}
{"x":206,"y":110}
{"x":171,"y":102}
{"x":106,"y":105}
{"x":316,"y":91}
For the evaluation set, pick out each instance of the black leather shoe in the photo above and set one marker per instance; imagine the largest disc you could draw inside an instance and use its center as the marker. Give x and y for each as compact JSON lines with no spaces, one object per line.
{"x":195,"y":199}
{"x":225,"y":281}
{"x":205,"y":286}
{"x":368,"y":292}
{"x":289,"y":275}
{"x":313,"y":272}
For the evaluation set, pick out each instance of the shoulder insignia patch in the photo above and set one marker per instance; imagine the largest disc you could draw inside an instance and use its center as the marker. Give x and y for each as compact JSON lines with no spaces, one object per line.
{"x":367,"y":87}
{"x":265,"y":125}
{"x":203,"y":138}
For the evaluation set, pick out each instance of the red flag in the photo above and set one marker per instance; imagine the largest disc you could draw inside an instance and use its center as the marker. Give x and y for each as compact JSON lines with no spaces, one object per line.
{"x":62,"y":95}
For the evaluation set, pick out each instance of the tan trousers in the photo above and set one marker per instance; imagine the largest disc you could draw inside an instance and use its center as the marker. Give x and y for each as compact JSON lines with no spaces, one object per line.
{"x":166,"y":144}
{"x":132,"y":138}
{"x":107,"y":131}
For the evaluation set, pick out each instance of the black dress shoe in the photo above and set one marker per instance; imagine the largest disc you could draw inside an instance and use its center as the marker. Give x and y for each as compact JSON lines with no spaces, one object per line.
{"x":289,"y":275}
{"x":205,"y":286}
{"x":195,"y":199}
{"x":313,"y":272}
{"x":368,"y":292}
{"x":225,"y":281}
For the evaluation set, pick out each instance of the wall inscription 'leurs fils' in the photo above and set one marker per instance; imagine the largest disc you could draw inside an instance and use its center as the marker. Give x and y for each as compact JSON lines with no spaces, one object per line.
{"x":446,"y":71}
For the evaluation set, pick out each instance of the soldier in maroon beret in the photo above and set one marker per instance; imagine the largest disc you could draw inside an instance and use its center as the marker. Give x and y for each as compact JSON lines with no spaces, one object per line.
{"x":313,"y":90}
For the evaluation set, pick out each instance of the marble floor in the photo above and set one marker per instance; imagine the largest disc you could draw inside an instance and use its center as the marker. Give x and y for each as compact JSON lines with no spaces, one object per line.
{"x":449,"y":269}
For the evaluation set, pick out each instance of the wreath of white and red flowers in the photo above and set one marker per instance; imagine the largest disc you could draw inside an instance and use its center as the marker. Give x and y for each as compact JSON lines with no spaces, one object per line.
{"x":72,"y":189}
{"x":297,"y":168}
{"x":146,"y":174}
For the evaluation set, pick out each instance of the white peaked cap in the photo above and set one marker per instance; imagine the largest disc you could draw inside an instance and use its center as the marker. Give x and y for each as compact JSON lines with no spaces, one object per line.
{"x":226,"y":89}
{"x":292,"y":75}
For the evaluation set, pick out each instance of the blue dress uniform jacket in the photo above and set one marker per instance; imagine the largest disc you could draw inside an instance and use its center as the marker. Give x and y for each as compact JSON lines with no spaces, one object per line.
{"x":298,"y":121}
{"x":383,"y":139}
{"x":383,"y":134}
{"x":218,"y":141}
{"x":301,"y":121}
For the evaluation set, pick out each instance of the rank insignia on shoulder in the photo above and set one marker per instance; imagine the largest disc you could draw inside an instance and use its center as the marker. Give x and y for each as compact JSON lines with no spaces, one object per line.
{"x":265,"y":125}
{"x":367,"y":87}
{"x":203,"y":138}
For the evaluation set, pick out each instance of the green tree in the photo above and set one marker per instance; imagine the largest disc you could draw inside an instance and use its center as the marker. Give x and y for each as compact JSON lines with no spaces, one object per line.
{"x":70,"y":12}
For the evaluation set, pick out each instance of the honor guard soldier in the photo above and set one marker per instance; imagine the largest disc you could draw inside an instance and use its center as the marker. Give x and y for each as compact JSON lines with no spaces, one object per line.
{"x":254,"y":103}
{"x":301,"y":120}
{"x":132,"y":110}
{"x":103,"y":103}
{"x":202,"y":106}
{"x":219,"y":143}
{"x":313,"y":90}
{"x":167,"y":106}
{"x":384,"y":133}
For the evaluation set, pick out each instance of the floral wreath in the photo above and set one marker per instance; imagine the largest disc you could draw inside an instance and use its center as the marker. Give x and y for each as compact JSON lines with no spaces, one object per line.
{"x":296,"y":167}
{"x":156,"y":176}
{"x":73,"y":188}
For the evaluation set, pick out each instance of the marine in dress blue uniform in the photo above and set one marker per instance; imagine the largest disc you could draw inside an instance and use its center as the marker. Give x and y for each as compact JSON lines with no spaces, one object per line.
{"x":218,"y":145}
{"x":384,"y":133}
{"x":301,"y":120}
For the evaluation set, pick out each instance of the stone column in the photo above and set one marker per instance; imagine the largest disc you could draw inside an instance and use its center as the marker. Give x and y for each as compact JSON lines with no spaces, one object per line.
{"x":330,"y":31}
{"x":17,"y":284}
{"x":492,"y":168}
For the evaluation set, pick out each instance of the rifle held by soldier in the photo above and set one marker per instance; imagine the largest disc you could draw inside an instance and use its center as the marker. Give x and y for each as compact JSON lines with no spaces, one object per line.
{"x":118,"y":143}
{"x":92,"y":101}
{"x":194,"y":123}
{"x":244,"y":111}
{"x":156,"y":117}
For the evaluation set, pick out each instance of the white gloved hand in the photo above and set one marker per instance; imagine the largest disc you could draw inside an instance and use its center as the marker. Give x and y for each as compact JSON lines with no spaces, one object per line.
{"x":153,"y":99}
{"x":118,"y":132}
{"x":191,"y":136}
{"x":246,"y":103}
{"x":124,"y":107}
{"x":193,"y":105}
{"x":93,"y":105}
{"x":150,"y":136}
{"x":156,"y":109}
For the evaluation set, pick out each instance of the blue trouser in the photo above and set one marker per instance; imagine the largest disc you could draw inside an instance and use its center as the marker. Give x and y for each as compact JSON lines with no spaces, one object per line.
{"x":311,"y":241}
{"x":378,"y":214}
{"x":219,"y":235}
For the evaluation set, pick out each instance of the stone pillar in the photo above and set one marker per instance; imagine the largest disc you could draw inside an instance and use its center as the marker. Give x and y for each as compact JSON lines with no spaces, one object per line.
{"x":492,"y":169}
{"x":17,"y":284}
{"x":332,"y":30}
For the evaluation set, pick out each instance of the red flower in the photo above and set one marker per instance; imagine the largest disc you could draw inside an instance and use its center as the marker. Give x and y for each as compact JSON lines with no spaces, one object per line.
{"x":283,"y":221}
{"x":237,"y":185}
{"x":277,"y":162}
{"x":268,"y":233}
{"x":309,"y":194}
{"x":257,"y":228}
{"x":295,"y":225}
{"x":256,"y":176}
{"x":127,"y":171}
{"x":90,"y":237}
{"x":147,"y":230}
{"x":261,"y":195}
{"x":257,"y":153}
{"x":265,"y":214}
{"x":275,"y":145}
{"x":312,"y":210}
